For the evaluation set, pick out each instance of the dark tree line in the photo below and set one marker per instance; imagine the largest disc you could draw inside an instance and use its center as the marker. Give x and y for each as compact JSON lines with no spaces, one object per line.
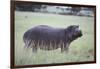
{"x":27,"y":7}
{"x":74,"y":10}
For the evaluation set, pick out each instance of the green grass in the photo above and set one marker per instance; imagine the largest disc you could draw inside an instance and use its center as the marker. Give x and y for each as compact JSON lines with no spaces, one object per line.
{"x":80,"y":50}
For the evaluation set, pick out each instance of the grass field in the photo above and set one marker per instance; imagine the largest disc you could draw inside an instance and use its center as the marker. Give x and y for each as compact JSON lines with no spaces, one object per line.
{"x":80,"y":50}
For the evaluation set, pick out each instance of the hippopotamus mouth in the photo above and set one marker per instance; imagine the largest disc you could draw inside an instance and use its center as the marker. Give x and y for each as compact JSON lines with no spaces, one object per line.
{"x":80,"y":33}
